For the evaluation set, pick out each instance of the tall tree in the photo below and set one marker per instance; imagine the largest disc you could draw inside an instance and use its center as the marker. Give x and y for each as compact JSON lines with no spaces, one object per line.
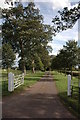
{"x":24,"y":30}
{"x":66,"y":19}
{"x":68,"y":56}
{"x":8,"y":56}
{"x":72,"y":52}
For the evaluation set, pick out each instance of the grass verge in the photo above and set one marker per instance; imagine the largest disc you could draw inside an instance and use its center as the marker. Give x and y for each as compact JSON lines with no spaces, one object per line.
{"x":29,"y":80}
{"x":73,"y":102}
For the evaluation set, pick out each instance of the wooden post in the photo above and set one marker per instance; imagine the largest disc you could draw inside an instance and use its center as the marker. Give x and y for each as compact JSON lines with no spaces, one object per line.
{"x":10,"y":82}
{"x":72,"y":91}
{"x":69,"y":85}
{"x":23,"y":78}
{"x":79,"y":91}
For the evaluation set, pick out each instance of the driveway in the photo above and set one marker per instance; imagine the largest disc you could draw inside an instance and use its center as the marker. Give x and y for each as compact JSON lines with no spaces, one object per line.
{"x":38,"y":101}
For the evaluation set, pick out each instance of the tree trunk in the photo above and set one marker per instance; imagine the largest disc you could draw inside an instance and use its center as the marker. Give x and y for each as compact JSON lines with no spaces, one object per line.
{"x":22,"y":57}
{"x":23,"y":66}
{"x":33,"y":68}
{"x":65,"y":71}
{"x":24,"y":69}
{"x":71,"y":72}
{"x":8,"y":70}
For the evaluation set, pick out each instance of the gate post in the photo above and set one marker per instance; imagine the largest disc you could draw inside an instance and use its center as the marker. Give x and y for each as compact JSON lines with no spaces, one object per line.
{"x":79,"y":91}
{"x":10,"y":82}
{"x":23,"y":78}
{"x":69,"y":85}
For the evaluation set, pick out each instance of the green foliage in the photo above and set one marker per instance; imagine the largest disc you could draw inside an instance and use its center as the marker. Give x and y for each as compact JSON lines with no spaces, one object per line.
{"x":55,"y":63}
{"x":79,"y":57}
{"x":23,"y":28}
{"x":38,"y":63}
{"x":66,"y":19}
{"x":45,"y":58}
{"x":8,"y":56}
{"x":61,"y":83}
{"x":72,"y":52}
{"x":67,"y":57}
{"x":29,"y":80}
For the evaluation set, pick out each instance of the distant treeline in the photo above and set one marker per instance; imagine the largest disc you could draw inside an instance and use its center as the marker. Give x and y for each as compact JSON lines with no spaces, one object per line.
{"x":74,"y":73}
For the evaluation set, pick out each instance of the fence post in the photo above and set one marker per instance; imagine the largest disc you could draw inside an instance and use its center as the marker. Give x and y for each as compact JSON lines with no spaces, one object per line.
{"x":79,"y":83}
{"x":23,"y":78}
{"x":10,"y":82}
{"x":79,"y":91}
{"x":69,"y":85}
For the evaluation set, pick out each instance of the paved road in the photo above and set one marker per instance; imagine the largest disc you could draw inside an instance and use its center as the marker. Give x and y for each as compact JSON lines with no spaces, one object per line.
{"x":39,"y":101}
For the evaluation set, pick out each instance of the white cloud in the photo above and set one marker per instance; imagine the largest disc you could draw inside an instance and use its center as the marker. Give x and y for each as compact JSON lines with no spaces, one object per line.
{"x":69,"y":34}
{"x":61,"y":38}
{"x":76,"y":5}
{"x":56,"y":47}
{"x":57,"y":4}
{"x":76,"y":37}
{"x":3,"y":4}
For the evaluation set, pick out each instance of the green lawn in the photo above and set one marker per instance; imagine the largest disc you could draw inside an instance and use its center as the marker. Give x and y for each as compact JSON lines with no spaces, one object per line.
{"x":29,"y":80}
{"x":73,"y":102}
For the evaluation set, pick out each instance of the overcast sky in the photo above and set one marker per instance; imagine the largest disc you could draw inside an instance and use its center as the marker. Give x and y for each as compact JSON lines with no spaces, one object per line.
{"x":49,"y":8}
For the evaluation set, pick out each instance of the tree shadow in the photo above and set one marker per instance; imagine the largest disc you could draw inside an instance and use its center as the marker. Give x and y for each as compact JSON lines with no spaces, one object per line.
{"x":32,"y":78}
{"x":39,"y":105}
{"x":72,"y":102}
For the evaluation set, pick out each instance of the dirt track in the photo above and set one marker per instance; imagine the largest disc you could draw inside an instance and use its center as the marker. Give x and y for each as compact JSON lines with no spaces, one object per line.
{"x":39,"y":101}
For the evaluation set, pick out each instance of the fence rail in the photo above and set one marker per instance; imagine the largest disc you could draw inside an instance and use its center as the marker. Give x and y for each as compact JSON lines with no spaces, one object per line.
{"x":72,"y":85}
{"x":18,"y":80}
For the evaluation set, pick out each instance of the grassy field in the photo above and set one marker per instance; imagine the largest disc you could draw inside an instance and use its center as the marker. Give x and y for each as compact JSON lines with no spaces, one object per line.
{"x":29,"y":79}
{"x":73,"y":102}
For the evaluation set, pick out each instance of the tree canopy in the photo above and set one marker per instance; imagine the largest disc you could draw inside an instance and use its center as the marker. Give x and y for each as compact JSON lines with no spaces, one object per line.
{"x":67,"y":57}
{"x":24,"y":29}
{"x":8,"y":56}
{"x":66,"y":19}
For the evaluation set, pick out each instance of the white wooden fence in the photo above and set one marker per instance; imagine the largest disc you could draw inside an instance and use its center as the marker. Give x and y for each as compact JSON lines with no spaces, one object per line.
{"x":71,"y":85}
{"x":14,"y":81}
